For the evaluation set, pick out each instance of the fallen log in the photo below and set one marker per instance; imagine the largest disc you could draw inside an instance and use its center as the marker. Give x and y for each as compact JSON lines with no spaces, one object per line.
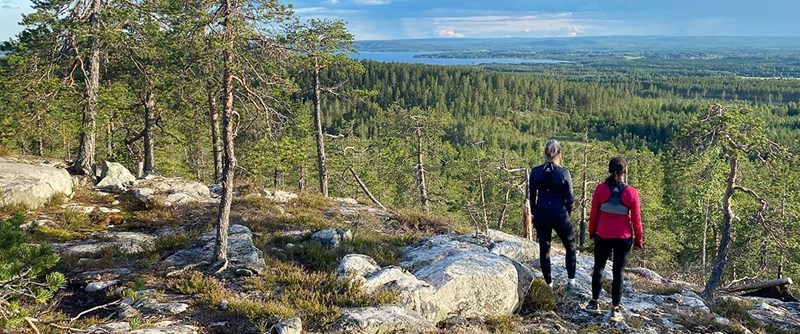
{"x":759,"y":285}
{"x":364,"y":188}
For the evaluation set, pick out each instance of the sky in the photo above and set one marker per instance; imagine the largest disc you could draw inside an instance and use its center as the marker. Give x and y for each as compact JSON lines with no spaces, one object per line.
{"x":403,"y":19}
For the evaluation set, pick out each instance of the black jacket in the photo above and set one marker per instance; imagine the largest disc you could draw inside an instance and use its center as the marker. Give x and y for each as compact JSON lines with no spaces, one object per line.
{"x":551,"y":187}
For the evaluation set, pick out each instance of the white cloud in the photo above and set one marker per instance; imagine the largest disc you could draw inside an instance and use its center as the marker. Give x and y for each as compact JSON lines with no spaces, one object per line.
{"x":503,"y":25}
{"x":449,"y":33}
{"x":333,"y":1}
{"x":373,"y":2}
{"x":309,"y":10}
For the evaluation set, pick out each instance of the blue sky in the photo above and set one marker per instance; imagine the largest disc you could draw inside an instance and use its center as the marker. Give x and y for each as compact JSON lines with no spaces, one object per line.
{"x":394,"y":19}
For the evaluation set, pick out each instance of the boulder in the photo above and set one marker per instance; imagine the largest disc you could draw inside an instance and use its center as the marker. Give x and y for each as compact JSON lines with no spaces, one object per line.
{"x":31,"y":185}
{"x":475,"y":284}
{"x":115,"y":177}
{"x":279,"y":196}
{"x":434,"y":249}
{"x":356,"y":265}
{"x":331,"y":238}
{"x":381,"y":320}
{"x":412,"y":294}
{"x":242,"y":253}
{"x":288,"y":326}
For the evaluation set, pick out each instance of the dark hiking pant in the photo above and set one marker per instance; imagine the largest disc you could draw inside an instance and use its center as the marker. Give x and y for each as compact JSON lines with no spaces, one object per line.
{"x":603,"y":248}
{"x":547,"y":220}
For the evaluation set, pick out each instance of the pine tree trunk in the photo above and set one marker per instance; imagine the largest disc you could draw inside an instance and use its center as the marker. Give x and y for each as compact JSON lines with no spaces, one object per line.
{"x":84,"y":163}
{"x":323,"y":169}
{"x":228,"y":158}
{"x":149,"y":122}
{"x":483,"y":201}
{"x":213,"y":115}
{"x":705,"y":234}
{"x":110,"y":137}
{"x":527,"y":220}
{"x":504,"y":211}
{"x":423,"y":190}
{"x":527,"y":217}
{"x":725,"y":238}
{"x":301,"y":183}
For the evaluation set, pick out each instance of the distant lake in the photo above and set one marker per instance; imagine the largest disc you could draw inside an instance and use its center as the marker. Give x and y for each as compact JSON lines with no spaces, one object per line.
{"x":409,"y":57}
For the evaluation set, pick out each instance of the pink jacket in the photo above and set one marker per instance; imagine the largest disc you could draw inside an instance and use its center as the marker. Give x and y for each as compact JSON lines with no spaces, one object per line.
{"x":610,"y":225}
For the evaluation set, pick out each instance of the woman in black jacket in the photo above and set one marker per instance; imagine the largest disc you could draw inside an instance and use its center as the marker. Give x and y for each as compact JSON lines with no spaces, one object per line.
{"x":551,"y":199}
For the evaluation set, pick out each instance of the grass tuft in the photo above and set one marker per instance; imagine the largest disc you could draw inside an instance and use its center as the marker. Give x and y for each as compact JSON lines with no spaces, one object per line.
{"x":416,"y":220}
{"x":502,"y":324}
{"x":540,"y":298}
{"x":283,"y":291}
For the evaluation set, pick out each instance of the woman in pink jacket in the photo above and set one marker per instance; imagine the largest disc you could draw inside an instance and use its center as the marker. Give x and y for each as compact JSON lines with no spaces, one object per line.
{"x":615,"y":224}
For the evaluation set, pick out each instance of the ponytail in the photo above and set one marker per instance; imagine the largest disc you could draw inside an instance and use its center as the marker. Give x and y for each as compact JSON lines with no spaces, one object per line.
{"x":617,"y":168}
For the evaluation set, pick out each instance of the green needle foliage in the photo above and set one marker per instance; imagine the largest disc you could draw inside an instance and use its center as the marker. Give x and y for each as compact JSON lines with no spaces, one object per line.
{"x":25,"y":286}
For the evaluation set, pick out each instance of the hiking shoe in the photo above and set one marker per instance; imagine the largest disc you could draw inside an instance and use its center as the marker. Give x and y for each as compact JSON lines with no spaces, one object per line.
{"x":572,"y":285}
{"x":616,"y":315}
{"x":593,"y":307}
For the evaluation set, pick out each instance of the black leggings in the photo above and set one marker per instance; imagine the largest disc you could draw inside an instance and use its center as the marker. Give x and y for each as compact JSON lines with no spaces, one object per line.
{"x":546,"y":221}
{"x":602,"y":250}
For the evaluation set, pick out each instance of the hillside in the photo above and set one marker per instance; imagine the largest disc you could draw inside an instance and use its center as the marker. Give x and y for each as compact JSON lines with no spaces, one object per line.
{"x":135,"y":256}
{"x":598,"y":43}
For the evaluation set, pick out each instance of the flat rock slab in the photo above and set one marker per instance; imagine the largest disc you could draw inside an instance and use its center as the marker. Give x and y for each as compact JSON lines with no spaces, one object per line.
{"x":174,"y":329}
{"x":242,"y":253}
{"x":382,"y":320}
{"x":125,"y":327}
{"x":31,"y":185}
{"x":121,"y":242}
{"x":100,"y":286}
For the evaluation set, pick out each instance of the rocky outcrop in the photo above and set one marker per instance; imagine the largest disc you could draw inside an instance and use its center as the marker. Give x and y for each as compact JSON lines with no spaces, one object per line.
{"x":242,"y":254}
{"x":115,"y":177}
{"x":382,"y":320}
{"x":162,"y":191}
{"x":453,"y":275}
{"x":31,"y":185}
